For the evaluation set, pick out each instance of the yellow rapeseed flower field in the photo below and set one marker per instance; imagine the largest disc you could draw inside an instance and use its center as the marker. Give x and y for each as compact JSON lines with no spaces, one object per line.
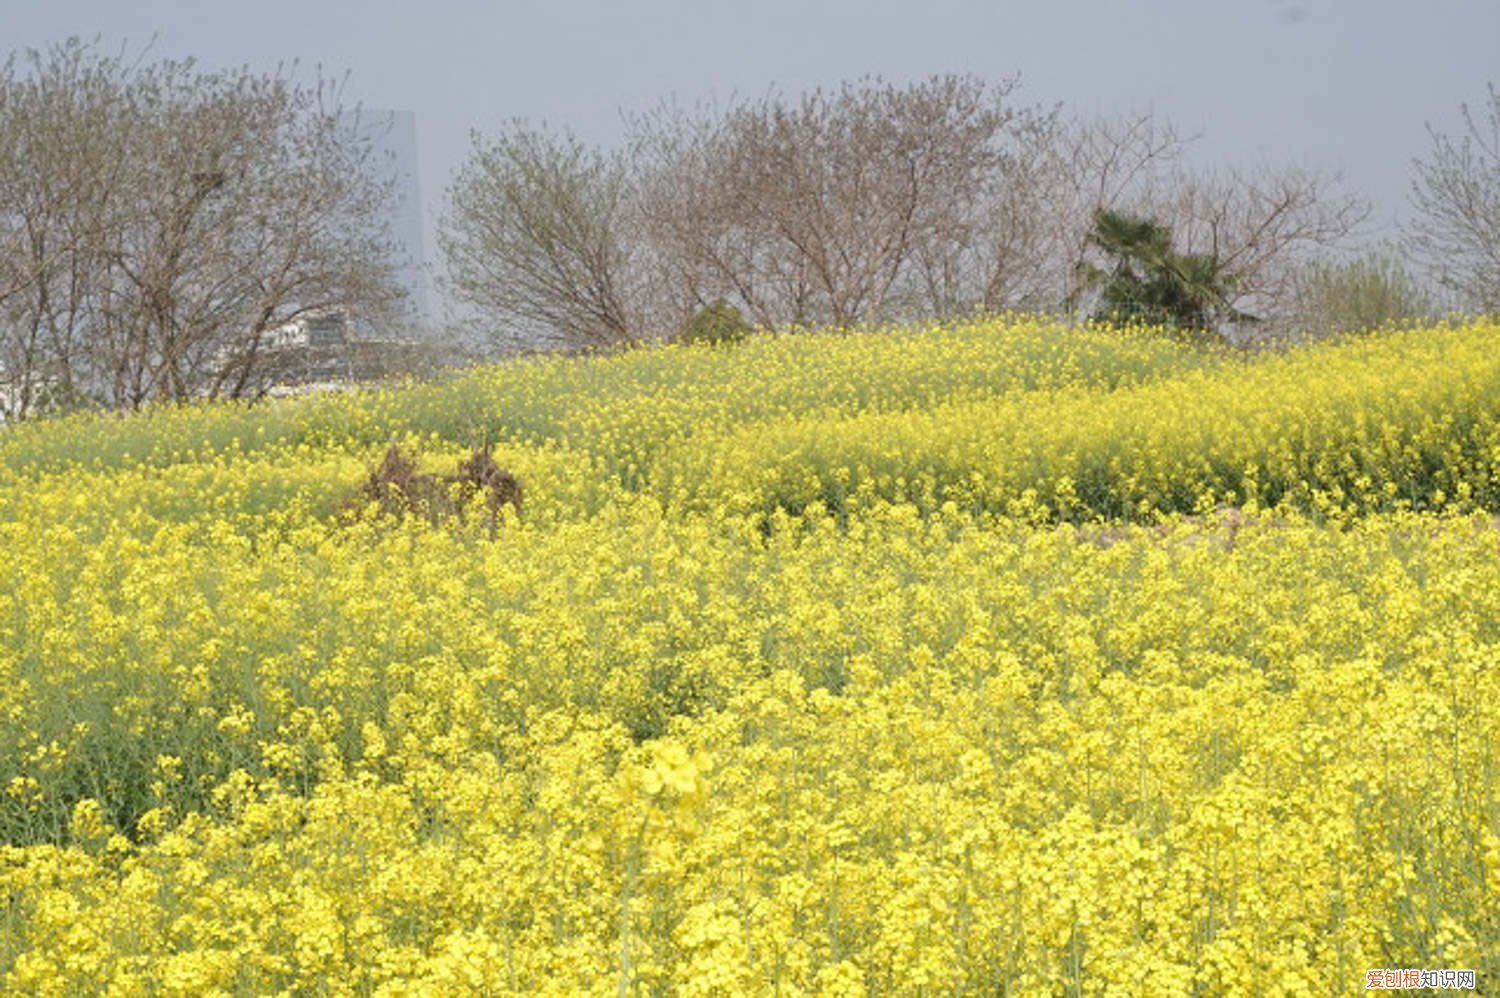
{"x":990,"y":657}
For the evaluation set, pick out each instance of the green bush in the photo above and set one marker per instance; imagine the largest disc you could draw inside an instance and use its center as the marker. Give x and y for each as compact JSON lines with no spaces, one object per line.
{"x":1368,"y":292}
{"x":719,"y":323}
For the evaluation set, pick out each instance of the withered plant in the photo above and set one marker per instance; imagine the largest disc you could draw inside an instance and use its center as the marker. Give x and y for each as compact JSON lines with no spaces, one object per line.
{"x":395,"y":488}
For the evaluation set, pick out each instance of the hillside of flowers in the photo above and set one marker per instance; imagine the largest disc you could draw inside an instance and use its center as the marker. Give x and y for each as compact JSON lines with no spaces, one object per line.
{"x":988,"y":657}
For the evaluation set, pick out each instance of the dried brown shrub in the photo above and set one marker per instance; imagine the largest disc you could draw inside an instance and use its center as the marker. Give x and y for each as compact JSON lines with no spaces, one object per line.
{"x":396,"y":489}
{"x":478,"y":474}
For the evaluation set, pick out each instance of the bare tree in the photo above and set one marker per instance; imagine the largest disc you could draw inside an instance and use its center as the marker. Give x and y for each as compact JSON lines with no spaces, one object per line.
{"x":260,"y":209}
{"x":710,"y":242}
{"x":1060,"y":172}
{"x":838,"y":208}
{"x":1456,"y":194}
{"x":52,"y":199}
{"x":1262,"y":226}
{"x":534,"y":238}
{"x":173,"y":218}
{"x":1057,"y":174}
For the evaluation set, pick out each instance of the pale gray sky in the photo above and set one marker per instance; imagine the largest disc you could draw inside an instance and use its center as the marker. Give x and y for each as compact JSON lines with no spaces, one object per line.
{"x":1338,"y":84}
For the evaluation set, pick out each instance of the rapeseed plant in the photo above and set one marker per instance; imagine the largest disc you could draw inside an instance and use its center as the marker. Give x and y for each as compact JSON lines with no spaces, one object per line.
{"x":832,"y":665}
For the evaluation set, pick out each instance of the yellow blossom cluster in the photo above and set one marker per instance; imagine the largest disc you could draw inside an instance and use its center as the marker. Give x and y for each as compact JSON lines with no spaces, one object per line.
{"x":623,"y":410}
{"x":1406,"y":421}
{"x":738,"y":708}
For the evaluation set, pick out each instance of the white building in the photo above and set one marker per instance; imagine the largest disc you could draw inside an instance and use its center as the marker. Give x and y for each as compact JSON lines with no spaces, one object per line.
{"x":323,"y":328}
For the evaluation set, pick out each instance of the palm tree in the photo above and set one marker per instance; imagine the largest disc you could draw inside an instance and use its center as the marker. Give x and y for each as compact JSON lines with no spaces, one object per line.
{"x":1148,"y":281}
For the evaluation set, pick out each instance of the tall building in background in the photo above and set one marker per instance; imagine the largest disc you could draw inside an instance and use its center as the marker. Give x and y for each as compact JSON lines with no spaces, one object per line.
{"x":393,"y":138}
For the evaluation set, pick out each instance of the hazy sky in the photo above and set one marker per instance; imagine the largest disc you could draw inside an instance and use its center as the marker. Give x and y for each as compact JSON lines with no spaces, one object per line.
{"x":1337,"y":84}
